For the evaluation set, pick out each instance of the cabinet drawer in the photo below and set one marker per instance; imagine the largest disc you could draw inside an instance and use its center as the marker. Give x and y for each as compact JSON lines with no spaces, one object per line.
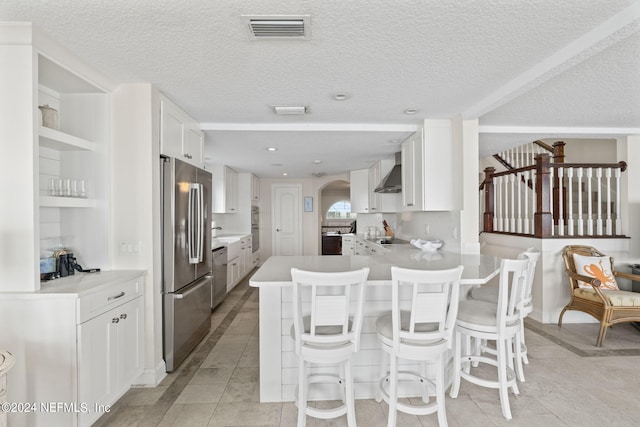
{"x":111,"y":296}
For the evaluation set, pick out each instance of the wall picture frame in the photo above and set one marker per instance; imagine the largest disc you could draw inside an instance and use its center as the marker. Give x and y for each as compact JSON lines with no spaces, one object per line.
{"x":308,"y":204}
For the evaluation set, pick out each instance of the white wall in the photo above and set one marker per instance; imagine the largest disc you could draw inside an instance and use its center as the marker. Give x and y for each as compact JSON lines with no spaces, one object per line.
{"x":310,"y":220}
{"x":135,"y":206}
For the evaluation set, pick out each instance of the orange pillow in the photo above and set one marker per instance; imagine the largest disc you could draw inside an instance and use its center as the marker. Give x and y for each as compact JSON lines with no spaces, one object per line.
{"x":598,"y":267}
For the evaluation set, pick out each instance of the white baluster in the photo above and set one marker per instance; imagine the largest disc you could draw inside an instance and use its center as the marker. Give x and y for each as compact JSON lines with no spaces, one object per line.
{"x":609,"y":221}
{"x":520,"y":190}
{"x":551,"y":178}
{"x":497,"y":221}
{"x":512,"y":198}
{"x":533,"y":200}
{"x":526,"y":202}
{"x":570,"y":201}
{"x":560,"y":202}
{"x":618,"y":230}
{"x":579,"y":173}
{"x":589,"y":202}
{"x":599,"y":190}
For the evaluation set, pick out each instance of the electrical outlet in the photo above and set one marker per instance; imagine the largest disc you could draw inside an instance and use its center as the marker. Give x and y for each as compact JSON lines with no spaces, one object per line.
{"x":427,"y":229}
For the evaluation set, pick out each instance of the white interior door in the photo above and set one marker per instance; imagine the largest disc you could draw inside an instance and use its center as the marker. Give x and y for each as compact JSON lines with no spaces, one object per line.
{"x":287,"y":219}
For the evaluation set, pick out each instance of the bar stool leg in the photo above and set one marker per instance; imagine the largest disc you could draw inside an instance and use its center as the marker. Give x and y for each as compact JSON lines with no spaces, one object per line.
{"x":302,"y":394}
{"x":442,"y":413}
{"x":393,"y":391}
{"x":502,"y":377}
{"x":457,"y":366}
{"x":350,"y":402}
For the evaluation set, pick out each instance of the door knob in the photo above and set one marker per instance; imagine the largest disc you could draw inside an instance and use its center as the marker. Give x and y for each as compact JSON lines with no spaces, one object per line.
{"x":277,"y":229}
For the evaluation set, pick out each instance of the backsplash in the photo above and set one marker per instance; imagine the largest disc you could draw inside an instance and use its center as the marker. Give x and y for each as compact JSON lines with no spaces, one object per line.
{"x":418,"y":225}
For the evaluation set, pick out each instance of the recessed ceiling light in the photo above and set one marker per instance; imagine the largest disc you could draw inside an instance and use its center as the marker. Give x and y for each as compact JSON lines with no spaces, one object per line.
{"x":410,"y":111}
{"x":276,"y":164}
{"x":319,"y":174}
{"x":394,"y":141}
{"x":317,"y":162}
{"x":284,"y":174}
{"x":341,"y":96}
{"x":272,"y":149}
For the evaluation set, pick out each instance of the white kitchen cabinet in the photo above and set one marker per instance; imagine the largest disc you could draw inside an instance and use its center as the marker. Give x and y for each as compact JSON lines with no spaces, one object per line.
{"x":225,"y":189}
{"x":180,"y":135}
{"x":427,"y":168}
{"x":363,"y":183}
{"x":80,"y":341}
{"x":359,"y":188}
{"x":255,"y":188}
{"x":348,"y":244}
{"x":247,"y":255}
{"x":110,"y":348}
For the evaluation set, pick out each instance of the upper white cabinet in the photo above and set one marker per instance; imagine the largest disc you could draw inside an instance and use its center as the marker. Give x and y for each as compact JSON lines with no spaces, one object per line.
{"x":363,"y":183}
{"x":255,"y":188}
{"x":180,"y":135}
{"x":427,"y":168}
{"x":225,"y":189}
{"x":359,"y":180}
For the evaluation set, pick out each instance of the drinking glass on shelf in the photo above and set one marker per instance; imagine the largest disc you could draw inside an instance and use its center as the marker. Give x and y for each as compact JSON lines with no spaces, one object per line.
{"x":74,"y":188}
{"x":53,"y":187}
{"x":82,"y":189}
{"x":67,"y":187}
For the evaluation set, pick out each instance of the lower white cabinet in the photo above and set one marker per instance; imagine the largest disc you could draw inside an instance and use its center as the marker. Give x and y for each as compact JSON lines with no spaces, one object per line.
{"x":110,"y":355}
{"x":78,"y":348}
{"x":348,"y":244}
{"x":240,"y":260}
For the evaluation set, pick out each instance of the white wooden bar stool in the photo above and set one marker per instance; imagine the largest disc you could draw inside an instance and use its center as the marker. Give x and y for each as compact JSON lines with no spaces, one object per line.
{"x":501,"y":322}
{"x":490,"y":294}
{"x":326,"y":329}
{"x":6,"y":362}
{"x":419,"y":328}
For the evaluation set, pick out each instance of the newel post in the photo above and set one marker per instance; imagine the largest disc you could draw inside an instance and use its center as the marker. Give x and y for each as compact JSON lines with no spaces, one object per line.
{"x":543,"y":220}
{"x":488,"y":199}
{"x":558,"y":152}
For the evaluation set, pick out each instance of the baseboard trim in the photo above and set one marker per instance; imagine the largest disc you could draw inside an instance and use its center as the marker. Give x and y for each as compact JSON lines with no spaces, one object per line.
{"x":152,"y":377}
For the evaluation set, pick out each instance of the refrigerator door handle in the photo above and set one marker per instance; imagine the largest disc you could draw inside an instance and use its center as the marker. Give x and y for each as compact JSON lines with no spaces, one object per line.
{"x":193,"y":288}
{"x":201,"y":217}
{"x":193,"y":223}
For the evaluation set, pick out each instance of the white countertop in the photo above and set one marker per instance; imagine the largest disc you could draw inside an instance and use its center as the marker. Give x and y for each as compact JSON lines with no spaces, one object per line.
{"x":478,"y":268}
{"x":78,"y":284}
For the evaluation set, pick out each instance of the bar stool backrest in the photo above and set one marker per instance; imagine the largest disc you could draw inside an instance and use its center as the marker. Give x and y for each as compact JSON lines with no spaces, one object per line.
{"x":430,"y":302}
{"x":511,"y":293}
{"x":324,"y":312}
{"x":532,"y":255}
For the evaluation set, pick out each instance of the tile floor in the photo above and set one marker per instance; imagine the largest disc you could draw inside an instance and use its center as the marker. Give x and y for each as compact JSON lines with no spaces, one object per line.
{"x":568,"y":382}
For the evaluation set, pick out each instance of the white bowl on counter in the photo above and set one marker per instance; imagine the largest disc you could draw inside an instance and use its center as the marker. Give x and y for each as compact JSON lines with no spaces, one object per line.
{"x":427,"y":245}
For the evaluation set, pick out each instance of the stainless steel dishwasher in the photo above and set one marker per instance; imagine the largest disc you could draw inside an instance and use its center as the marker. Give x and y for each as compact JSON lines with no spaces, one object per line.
{"x":219,"y":291}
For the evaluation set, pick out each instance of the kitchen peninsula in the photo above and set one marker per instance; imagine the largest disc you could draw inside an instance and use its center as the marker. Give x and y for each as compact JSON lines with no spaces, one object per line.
{"x":277,"y":357}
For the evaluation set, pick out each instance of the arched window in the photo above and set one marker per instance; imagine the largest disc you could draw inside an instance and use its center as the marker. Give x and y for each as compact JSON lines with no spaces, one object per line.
{"x":341,"y":210}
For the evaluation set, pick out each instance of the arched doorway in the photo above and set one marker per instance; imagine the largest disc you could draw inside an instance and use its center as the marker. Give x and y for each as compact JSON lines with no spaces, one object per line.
{"x":336,"y":216}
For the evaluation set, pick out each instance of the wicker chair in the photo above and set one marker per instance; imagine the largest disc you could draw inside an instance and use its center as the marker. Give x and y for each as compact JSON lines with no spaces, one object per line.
{"x":608,"y":306}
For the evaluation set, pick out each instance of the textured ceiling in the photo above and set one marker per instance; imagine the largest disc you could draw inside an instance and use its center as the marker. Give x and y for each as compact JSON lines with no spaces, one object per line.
{"x":440,"y":57}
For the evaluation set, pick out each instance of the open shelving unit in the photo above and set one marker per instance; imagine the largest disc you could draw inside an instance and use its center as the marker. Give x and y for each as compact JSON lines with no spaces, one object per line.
{"x":78,"y":149}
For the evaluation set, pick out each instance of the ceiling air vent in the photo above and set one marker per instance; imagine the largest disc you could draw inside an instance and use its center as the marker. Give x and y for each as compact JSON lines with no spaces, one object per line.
{"x":278,"y":26}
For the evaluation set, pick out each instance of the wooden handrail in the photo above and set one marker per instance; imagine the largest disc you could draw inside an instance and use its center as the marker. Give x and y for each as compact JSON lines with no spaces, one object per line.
{"x":621,"y":165}
{"x":544,"y":145}
{"x":514,"y":171}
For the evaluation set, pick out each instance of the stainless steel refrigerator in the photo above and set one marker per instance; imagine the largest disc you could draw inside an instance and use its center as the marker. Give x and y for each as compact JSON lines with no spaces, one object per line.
{"x":187,"y":270}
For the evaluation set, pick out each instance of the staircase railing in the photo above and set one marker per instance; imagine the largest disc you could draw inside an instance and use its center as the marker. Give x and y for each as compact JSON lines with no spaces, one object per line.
{"x":553,"y":199}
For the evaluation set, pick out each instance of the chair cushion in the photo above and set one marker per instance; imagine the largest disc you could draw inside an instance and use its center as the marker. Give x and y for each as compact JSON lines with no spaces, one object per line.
{"x":617,"y":298}
{"x":384,"y":327}
{"x":321,"y":330}
{"x":477,"y":312}
{"x":598,"y":267}
{"x":485,"y":293}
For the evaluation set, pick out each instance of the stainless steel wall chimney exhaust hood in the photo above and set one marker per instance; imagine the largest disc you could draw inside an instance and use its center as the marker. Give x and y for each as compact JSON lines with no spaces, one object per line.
{"x":392,"y":182}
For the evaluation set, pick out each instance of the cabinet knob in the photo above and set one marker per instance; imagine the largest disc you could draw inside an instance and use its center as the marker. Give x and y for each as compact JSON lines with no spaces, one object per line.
{"x":123,"y":316}
{"x":115,"y":320}
{"x":409,"y":204}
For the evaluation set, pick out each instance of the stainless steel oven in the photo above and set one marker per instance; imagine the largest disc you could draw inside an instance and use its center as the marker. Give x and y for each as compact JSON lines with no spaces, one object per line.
{"x":255,"y":228}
